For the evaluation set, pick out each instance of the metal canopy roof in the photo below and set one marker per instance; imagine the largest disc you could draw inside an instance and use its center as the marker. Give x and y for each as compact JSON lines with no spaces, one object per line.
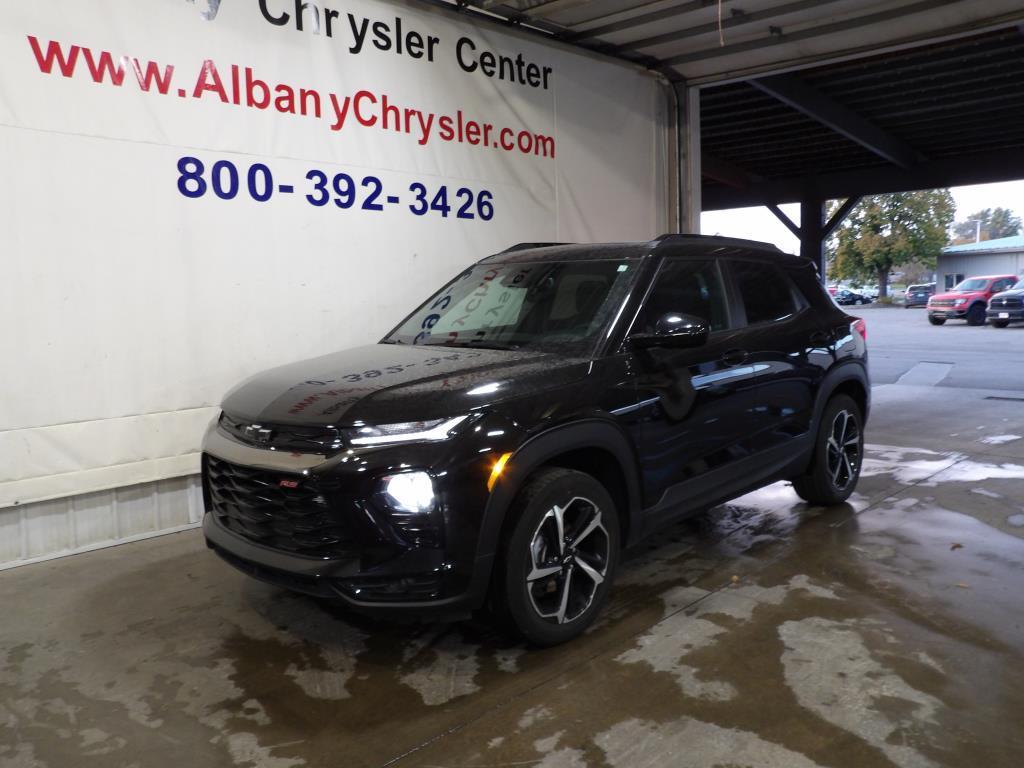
{"x":820,"y":98}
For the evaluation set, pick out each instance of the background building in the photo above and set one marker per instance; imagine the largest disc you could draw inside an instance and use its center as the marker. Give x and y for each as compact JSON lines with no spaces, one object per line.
{"x":989,"y":257}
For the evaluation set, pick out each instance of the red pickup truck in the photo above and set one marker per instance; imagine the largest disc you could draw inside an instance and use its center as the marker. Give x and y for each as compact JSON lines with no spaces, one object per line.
{"x":968,"y":301}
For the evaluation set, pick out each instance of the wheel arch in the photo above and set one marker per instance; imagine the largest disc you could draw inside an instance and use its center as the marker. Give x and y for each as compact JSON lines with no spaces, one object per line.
{"x":849,"y":378}
{"x":597,"y":447}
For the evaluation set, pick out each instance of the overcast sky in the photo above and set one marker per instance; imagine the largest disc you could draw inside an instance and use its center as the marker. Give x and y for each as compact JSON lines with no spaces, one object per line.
{"x":761,"y":224}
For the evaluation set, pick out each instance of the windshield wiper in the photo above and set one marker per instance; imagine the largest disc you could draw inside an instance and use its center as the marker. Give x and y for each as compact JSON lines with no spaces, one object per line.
{"x":476,"y":345}
{"x":493,"y":345}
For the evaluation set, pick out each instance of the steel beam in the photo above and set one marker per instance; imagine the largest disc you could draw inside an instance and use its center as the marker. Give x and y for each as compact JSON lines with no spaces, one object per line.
{"x":640,"y":19}
{"x":728,"y":22}
{"x":688,"y":157}
{"x":807,"y":33}
{"x":781,"y":216}
{"x":977,"y":168}
{"x":812,"y":233}
{"x":712,"y":167}
{"x":795,"y":93}
{"x":840,"y":215}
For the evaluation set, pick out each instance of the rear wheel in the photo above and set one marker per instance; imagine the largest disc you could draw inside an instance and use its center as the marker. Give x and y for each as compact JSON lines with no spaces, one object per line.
{"x":936,"y":320}
{"x":1000,"y":323}
{"x":976,"y":315}
{"x":838,"y":452}
{"x":560,"y":558}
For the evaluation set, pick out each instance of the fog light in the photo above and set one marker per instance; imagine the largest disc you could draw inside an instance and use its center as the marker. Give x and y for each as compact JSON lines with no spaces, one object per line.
{"x":408,"y":492}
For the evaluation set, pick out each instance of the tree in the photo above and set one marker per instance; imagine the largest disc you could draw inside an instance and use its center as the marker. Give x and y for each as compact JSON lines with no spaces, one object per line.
{"x":995,"y":223}
{"x":887,"y":231}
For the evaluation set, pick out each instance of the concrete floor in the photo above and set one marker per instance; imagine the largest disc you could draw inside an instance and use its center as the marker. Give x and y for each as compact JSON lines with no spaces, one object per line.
{"x":884,"y":632}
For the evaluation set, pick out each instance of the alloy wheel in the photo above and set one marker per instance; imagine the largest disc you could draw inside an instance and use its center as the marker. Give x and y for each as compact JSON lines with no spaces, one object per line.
{"x":569,"y":555}
{"x":844,"y":449}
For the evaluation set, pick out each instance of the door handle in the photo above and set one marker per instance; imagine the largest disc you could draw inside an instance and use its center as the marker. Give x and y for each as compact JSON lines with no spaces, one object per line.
{"x":734,"y":357}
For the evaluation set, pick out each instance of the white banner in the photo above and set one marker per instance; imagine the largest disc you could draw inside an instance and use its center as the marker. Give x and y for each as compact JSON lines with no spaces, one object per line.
{"x":197,"y":190}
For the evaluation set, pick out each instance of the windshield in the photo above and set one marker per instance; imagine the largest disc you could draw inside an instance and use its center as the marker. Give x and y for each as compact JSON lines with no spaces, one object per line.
{"x":972,"y":284}
{"x":552,"y":306}
{"x":1018,"y":286}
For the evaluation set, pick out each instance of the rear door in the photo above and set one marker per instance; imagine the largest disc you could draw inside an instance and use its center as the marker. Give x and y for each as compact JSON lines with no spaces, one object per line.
{"x":778,"y":334}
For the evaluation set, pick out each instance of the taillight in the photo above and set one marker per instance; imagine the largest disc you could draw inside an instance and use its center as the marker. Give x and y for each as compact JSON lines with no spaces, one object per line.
{"x":860,"y":327}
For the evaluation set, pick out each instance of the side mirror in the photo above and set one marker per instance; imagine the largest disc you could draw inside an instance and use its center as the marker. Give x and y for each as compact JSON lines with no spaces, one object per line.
{"x":674,"y":329}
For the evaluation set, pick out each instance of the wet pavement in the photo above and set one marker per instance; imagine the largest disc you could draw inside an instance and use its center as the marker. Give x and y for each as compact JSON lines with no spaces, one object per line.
{"x":884,"y":632}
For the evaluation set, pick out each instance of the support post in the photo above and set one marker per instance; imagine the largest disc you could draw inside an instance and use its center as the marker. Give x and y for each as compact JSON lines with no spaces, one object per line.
{"x":688,"y":183}
{"x":812,"y":233}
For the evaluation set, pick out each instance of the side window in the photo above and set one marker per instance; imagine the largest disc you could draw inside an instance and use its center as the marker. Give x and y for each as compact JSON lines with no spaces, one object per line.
{"x":689,"y":287}
{"x":766,"y":292}
{"x":1001,"y":285}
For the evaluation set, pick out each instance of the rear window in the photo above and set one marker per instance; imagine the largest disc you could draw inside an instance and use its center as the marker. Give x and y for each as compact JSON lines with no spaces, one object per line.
{"x":766,"y":292}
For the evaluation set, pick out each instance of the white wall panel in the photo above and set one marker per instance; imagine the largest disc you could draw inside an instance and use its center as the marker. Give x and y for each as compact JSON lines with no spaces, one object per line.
{"x":133,"y":308}
{"x":10,"y":535}
{"x":34,"y":532}
{"x":47,"y":528}
{"x":94,"y":518}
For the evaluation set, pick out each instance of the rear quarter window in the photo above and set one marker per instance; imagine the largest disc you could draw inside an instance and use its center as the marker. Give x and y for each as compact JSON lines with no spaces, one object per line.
{"x":766,"y":292}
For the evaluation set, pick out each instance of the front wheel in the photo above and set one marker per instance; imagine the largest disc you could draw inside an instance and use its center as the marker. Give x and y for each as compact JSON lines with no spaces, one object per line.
{"x":838,"y":453}
{"x":560,"y":558}
{"x":936,"y":320}
{"x":976,"y":315}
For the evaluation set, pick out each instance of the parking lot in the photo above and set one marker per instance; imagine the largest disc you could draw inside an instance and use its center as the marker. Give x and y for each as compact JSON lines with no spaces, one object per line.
{"x":970,"y":357}
{"x":886,"y":631}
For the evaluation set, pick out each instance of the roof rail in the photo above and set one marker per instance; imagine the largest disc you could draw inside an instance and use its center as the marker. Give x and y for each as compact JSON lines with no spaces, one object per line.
{"x":682,"y":237}
{"x":528,"y":246}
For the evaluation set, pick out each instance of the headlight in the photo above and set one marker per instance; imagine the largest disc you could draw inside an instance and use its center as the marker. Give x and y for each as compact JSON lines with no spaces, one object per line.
{"x":404,"y":432}
{"x":960,"y":302}
{"x":411,"y":492}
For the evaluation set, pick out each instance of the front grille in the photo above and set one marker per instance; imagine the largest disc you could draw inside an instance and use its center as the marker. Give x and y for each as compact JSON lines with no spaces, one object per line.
{"x":260,"y":506}
{"x":941,"y":303}
{"x":315,"y":439}
{"x":1009,"y":302}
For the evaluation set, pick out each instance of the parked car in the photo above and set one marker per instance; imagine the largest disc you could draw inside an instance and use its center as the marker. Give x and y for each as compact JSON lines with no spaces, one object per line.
{"x":845,"y":296}
{"x":968,"y":300}
{"x":918,"y":295}
{"x":1007,"y":307}
{"x":541,"y":411}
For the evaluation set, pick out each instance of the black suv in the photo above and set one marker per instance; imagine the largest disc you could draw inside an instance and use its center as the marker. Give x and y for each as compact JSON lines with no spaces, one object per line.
{"x":546,"y":408}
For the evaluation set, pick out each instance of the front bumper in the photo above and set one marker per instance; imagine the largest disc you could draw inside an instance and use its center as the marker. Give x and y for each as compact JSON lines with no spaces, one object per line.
{"x":342,"y":579}
{"x":1010,"y":315}
{"x":370,"y":563}
{"x":948,"y":313}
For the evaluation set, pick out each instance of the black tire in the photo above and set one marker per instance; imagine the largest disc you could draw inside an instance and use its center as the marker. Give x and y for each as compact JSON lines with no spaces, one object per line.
{"x":538,"y":606}
{"x":1000,"y":323}
{"x":832,"y":476}
{"x":936,"y":320}
{"x":976,"y":315}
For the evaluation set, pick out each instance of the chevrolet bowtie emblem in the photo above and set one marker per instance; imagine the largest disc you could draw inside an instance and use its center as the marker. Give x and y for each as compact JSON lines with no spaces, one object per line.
{"x":258,"y":434}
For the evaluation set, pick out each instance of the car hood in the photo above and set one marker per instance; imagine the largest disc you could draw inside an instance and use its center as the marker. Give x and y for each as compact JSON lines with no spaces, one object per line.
{"x":1016,"y":292}
{"x":957,"y":294}
{"x":391,"y":383}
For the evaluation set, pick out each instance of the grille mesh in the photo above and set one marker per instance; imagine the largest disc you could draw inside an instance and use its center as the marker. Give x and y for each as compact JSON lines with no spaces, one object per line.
{"x":1009,"y":302}
{"x":255,"y":505}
